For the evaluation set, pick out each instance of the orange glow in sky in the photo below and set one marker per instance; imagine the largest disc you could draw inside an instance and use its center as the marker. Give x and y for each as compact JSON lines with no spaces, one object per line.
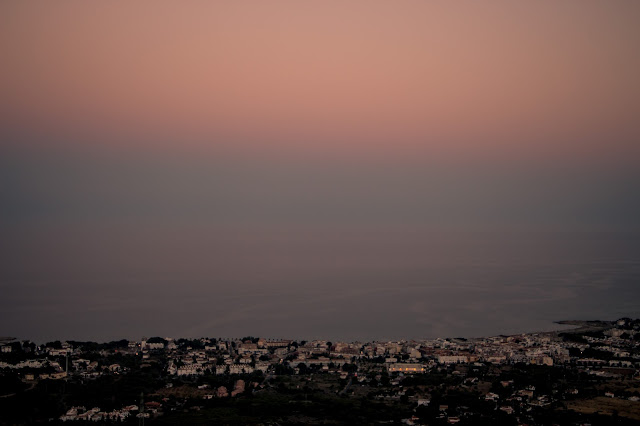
{"x":417,"y":77}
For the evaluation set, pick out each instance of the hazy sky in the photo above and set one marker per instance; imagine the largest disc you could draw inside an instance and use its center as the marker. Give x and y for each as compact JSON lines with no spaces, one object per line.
{"x":292,"y":140}
{"x":328,"y":115}
{"x":481,"y":113}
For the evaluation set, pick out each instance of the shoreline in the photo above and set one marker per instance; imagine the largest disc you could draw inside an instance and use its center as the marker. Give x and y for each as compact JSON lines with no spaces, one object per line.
{"x":574,"y":326}
{"x":582,"y":326}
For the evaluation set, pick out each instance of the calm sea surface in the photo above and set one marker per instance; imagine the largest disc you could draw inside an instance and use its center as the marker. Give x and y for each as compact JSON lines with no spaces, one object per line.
{"x":347,"y":285}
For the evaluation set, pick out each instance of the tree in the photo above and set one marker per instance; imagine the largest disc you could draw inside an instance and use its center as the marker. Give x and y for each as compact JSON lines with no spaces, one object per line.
{"x":351,"y":368}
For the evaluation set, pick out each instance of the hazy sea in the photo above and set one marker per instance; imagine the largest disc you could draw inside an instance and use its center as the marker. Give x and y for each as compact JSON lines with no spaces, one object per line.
{"x":348,"y":284}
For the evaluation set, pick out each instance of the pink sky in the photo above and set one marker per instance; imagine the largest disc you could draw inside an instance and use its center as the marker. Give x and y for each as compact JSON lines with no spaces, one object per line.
{"x":493,"y":78}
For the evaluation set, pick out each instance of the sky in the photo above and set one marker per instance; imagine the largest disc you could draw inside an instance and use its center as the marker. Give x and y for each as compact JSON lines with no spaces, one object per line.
{"x":364,"y":103}
{"x":491,"y":80}
{"x":129,"y":126}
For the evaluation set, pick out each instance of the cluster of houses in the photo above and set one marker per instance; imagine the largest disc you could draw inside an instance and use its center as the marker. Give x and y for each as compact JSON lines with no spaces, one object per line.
{"x":620,"y":344}
{"x":251,"y":355}
{"x":97,"y":415}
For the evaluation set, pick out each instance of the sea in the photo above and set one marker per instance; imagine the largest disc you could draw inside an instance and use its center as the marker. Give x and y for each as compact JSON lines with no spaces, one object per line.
{"x":348,"y":284}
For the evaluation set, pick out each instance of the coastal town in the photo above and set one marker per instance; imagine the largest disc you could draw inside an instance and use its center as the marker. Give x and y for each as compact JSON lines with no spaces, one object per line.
{"x":588,"y":374}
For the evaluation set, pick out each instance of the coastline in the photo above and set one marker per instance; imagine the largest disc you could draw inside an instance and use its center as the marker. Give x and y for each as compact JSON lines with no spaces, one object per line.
{"x":582,"y":326}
